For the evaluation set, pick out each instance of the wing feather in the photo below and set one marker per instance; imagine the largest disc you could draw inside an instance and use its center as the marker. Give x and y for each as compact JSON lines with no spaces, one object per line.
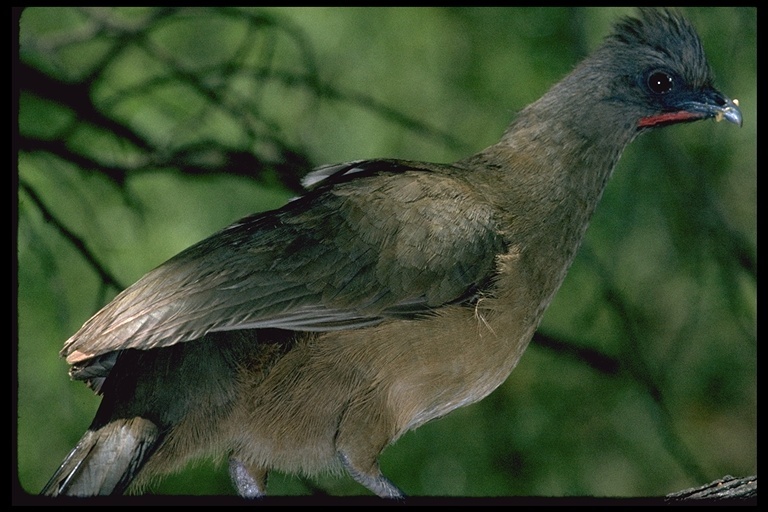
{"x":370,"y":240}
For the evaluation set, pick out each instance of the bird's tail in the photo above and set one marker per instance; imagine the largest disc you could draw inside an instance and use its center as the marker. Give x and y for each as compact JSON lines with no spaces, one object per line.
{"x":106,"y":459}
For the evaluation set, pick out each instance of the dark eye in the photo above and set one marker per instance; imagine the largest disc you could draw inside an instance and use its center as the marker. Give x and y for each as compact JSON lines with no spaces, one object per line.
{"x":660,"y":82}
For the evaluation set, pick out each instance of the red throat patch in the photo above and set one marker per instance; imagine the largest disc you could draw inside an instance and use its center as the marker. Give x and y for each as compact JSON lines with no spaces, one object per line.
{"x":667,"y":118}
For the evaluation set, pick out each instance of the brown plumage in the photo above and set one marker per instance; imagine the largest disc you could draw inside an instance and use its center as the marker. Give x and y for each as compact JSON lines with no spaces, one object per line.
{"x":390,"y":294}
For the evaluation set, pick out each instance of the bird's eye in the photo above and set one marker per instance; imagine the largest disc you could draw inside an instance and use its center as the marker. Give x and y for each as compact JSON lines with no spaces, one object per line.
{"x":660,"y":82}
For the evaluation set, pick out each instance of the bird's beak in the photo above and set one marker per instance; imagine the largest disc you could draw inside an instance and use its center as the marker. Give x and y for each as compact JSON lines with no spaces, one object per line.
{"x":718,"y":107}
{"x":730,"y":112}
{"x":710,"y":105}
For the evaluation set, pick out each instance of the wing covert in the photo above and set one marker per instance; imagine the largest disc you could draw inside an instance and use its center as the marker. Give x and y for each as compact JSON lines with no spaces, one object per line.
{"x":366,"y":243}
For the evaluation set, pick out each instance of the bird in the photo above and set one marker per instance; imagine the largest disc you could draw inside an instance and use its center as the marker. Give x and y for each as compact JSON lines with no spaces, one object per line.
{"x":390,"y":293}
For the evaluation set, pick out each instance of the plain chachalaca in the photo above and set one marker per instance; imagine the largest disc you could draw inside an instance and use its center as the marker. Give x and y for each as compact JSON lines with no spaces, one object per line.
{"x":390,"y":294}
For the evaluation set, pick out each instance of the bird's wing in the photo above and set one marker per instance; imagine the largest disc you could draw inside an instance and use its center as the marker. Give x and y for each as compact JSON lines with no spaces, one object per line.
{"x":371,"y":240}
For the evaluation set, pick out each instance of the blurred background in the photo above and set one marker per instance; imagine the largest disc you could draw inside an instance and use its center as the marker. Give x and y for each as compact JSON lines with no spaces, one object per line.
{"x":144,"y":130}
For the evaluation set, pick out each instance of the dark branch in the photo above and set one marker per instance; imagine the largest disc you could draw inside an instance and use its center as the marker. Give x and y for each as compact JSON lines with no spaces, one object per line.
{"x":105,"y":275}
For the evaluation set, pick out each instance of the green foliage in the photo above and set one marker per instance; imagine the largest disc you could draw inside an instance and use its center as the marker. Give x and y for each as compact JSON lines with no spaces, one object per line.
{"x":144,"y":130}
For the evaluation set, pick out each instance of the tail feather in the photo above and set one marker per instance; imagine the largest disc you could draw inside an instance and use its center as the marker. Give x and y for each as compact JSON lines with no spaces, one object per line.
{"x":106,"y":460}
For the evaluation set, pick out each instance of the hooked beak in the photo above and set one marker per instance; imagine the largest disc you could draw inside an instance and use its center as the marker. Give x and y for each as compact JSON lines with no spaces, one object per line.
{"x":711,"y":104}
{"x":730,"y":112}
{"x":716,"y":106}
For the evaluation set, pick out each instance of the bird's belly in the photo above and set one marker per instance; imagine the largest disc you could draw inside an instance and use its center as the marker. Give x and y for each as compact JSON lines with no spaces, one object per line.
{"x":369,"y":386}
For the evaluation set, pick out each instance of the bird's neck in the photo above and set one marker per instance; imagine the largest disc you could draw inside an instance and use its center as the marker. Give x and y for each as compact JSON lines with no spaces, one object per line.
{"x":546,"y":177}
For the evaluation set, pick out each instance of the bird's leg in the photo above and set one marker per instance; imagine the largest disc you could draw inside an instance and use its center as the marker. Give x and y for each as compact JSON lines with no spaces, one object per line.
{"x":250,"y":482}
{"x":373,"y":479}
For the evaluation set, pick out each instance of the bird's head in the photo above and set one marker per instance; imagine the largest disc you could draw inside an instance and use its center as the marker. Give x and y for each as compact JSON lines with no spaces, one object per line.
{"x":650,"y":72}
{"x":660,"y":72}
